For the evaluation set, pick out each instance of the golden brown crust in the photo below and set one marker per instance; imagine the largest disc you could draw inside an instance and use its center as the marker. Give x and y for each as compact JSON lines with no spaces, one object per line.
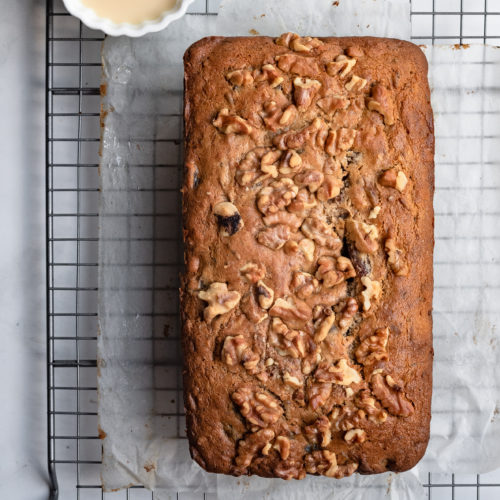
{"x":308,"y":227}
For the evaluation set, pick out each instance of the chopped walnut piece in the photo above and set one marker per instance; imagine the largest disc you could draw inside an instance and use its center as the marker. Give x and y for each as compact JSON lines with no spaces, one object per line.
{"x":231,"y":124}
{"x":342,"y":65}
{"x":381,"y":102}
{"x":236,"y":350}
{"x":333,"y":271}
{"x":366,"y":402}
{"x":274,"y":237}
{"x":290,"y":162}
{"x":303,"y":284}
{"x":372,"y":291}
{"x":286,"y":341}
{"x":228,"y":218}
{"x":319,"y":432}
{"x":240,"y":77}
{"x":265,"y":295}
{"x":303,"y":203}
{"x":257,"y":406}
{"x":330,"y":188}
{"x":321,"y":233}
{"x":324,"y":462}
{"x":253,"y":272}
{"x":355,"y":436}
{"x":332,"y":103}
{"x":297,"y":64}
{"x":270,"y":74}
{"x":401,"y":181}
{"x":292,"y":380}
{"x":324,"y":327}
{"x":318,"y":394}
{"x":340,"y":373}
{"x":347,"y":313}
{"x":391,"y":395}
{"x":339,"y":140}
{"x":285,"y":218}
{"x":298,"y":43}
{"x":307,"y":247}
{"x":304,"y":91}
{"x":355,"y":84}
{"x":345,"y":418}
{"x":253,"y":443}
{"x":312,"y":179}
{"x":282,"y":445}
{"x":220,"y":300}
{"x":374,"y":212}
{"x":275,"y":117}
{"x":293,"y":312}
{"x":373,"y":348}
{"x":395,"y":258}
{"x":388,"y":178}
{"x":278,"y":195}
{"x":363,"y":235}
{"x":248,"y":169}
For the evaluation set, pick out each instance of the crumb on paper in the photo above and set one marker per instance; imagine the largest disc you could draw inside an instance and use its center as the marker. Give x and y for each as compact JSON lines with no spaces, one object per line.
{"x":149,"y":467}
{"x":101,"y":433}
{"x":336,"y":3}
{"x":253,"y":32}
{"x":389,"y":484}
{"x":496,"y":411}
{"x":458,"y":46}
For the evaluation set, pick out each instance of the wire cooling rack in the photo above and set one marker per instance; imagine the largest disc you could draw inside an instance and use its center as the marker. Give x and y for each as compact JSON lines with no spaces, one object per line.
{"x":72,"y":188}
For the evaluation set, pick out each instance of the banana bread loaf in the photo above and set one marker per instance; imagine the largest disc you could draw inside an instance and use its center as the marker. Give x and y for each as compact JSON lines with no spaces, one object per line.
{"x":308,"y":227}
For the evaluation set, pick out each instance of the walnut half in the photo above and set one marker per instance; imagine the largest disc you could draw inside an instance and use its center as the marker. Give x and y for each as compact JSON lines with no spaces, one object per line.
{"x":220,"y":300}
{"x":391,"y":395}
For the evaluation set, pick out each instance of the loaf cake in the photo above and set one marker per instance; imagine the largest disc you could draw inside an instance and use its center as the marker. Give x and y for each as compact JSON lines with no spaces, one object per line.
{"x":308,"y":229}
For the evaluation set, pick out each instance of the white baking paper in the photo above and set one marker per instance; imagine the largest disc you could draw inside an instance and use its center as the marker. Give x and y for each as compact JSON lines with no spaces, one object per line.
{"x":140,"y":387}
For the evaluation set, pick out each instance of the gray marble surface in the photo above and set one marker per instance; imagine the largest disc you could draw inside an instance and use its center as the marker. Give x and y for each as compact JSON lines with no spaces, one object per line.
{"x":22,"y":249}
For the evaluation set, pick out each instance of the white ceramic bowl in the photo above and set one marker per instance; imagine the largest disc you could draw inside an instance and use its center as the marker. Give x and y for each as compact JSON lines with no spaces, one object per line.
{"x":92,"y":20}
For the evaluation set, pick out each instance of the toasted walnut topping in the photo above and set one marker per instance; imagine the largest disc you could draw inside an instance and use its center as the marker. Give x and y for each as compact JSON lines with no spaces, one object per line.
{"x":297,"y":43}
{"x":257,"y":406}
{"x":290,"y":469}
{"x":236,"y":350}
{"x":274,"y":237}
{"x":278,"y":195}
{"x":292,"y":380}
{"x":355,"y":84}
{"x":333,"y":271}
{"x":282,"y":217}
{"x":248,"y":171}
{"x":332,"y":103}
{"x":303,"y":203}
{"x":345,"y":418}
{"x":303,"y":284}
{"x":339,"y":140}
{"x":391,"y":395}
{"x":401,"y":181}
{"x":240,"y":77}
{"x":367,"y":403}
{"x":265,"y":295}
{"x":307,"y":247}
{"x":228,"y":218}
{"x":342,"y":65}
{"x":290,"y":162}
{"x":395,"y":258}
{"x":293,"y":312}
{"x":275,"y":117}
{"x":300,"y":65}
{"x":355,"y":436}
{"x":324,"y":462}
{"x":347,"y":313}
{"x":282,"y":445}
{"x":312,"y":179}
{"x":231,"y":124}
{"x":254,"y":443}
{"x":341,"y":373}
{"x":372,"y":291}
{"x":318,"y":394}
{"x":220,"y":300}
{"x":374,"y":212}
{"x":324,"y":327}
{"x":373,"y":348}
{"x":321,"y":233}
{"x":253,"y":272}
{"x":330,"y":188}
{"x":381,"y":102}
{"x":319,"y":432}
{"x":270,"y":74}
{"x":304,"y":91}
{"x":363,"y":235}
{"x":287,"y":342}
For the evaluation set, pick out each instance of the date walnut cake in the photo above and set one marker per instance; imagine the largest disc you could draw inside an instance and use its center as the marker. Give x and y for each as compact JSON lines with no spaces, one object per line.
{"x":308,"y":228}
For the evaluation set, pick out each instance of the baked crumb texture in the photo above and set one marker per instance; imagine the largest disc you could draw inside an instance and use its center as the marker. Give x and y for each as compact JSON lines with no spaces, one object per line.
{"x":308,"y":229}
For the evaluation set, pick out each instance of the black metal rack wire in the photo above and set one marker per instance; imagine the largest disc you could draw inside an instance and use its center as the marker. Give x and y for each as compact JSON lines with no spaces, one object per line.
{"x":73,"y":73}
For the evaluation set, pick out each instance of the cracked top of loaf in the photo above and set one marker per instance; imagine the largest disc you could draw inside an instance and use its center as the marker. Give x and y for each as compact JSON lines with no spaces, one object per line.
{"x":308,"y":228}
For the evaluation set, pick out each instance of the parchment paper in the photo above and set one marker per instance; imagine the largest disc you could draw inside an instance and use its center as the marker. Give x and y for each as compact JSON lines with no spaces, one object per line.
{"x":140,"y":391}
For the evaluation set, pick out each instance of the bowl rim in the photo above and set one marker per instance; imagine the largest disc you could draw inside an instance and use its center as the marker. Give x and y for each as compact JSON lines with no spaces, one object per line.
{"x":93,"y":21}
